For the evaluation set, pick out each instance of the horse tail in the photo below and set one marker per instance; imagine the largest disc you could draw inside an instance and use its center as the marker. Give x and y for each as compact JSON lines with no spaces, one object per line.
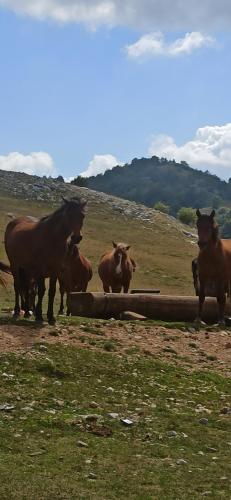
{"x":4,"y":269}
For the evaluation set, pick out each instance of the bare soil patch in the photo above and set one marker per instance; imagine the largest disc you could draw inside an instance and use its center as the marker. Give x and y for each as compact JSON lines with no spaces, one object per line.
{"x":208,"y":348}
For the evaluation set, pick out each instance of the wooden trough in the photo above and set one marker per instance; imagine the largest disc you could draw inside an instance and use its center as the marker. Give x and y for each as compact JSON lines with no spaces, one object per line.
{"x":161,"y":307}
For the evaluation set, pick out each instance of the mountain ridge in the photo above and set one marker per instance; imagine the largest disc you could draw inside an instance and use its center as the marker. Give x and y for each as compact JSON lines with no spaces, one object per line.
{"x":152,"y":180}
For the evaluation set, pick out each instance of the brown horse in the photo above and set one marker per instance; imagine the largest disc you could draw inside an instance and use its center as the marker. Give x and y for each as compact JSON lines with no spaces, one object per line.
{"x":116,"y":268}
{"x":37,"y":248}
{"x":75,"y":275}
{"x":214,"y":262}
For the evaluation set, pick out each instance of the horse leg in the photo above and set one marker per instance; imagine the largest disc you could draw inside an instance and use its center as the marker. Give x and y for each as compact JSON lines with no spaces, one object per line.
{"x":38,"y":307}
{"x":26,"y":296}
{"x":126,"y":287}
{"x":17,"y":296}
{"x":201,"y":302}
{"x":84,"y":286}
{"x":27,"y":304}
{"x":106,"y":288}
{"x":51,"y":296}
{"x":62,"y":291}
{"x":221,"y":300}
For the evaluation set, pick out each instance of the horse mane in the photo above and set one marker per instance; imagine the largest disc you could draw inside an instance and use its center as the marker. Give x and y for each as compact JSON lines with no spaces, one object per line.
{"x":59,"y":211}
{"x":215,"y":231}
{"x":52,"y":216}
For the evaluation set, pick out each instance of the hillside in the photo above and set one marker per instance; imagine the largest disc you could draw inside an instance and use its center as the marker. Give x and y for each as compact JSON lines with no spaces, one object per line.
{"x":83,"y":402}
{"x":162,"y":247}
{"x":149,"y":180}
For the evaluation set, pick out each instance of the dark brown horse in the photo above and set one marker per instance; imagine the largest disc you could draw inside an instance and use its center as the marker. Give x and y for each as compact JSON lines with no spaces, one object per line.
{"x":37,"y":248}
{"x":116,"y":269}
{"x":75,"y":275}
{"x":214,"y":262}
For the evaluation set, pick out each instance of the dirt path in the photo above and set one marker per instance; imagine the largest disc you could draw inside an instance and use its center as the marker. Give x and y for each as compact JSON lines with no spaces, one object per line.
{"x":207,"y":349}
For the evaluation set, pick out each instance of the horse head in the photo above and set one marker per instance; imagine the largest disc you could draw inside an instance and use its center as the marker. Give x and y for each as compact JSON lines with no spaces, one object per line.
{"x":74,"y":213}
{"x":120,"y":253}
{"x":207,"y":229}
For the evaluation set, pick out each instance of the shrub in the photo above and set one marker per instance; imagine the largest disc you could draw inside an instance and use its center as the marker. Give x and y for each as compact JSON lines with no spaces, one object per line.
{"x":187,"y":215}
{"x":80,"y":181}
{"x":162,"y":207}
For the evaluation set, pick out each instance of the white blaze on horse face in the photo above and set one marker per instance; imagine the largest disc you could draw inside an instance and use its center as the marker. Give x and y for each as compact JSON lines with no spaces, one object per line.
{"x":118,"y":267}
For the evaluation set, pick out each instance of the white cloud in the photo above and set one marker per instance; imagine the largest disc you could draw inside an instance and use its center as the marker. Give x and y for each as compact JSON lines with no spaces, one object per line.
{"x":39,"y":163}
{"x":153,"y":44}
{"x":100,"y":164}
{"x":210,"y":149}
{"x":90,"y":12}
{"x":144,"y":14}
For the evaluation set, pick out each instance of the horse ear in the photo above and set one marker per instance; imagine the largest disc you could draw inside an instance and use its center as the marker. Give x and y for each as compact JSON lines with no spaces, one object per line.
{"x":114,"y":244}
{"x":212,"y":214}
{"x":127,"y":247}
{"x":198,"y":213}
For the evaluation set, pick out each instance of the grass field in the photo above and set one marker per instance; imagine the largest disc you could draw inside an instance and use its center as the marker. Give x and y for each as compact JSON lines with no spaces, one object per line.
{"x":58,"y":440}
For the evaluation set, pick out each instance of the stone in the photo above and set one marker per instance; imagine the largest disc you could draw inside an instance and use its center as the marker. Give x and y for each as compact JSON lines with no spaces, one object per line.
{"x":171,"y":433}
{"x":43,"y":348}
{"x":129,"y":315}
{"x":6,"y":407}
{"x":226,"y":410}
{"x":82,"y":444}
{"x":93,"y":404}
{"x":127,"y":421}
{"x":203,"y":421}
{"x":92,"y":476}
{"x":113,"y":415}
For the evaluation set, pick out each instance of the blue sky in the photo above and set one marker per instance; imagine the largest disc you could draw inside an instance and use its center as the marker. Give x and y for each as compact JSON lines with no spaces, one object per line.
{"x":80,"y":97}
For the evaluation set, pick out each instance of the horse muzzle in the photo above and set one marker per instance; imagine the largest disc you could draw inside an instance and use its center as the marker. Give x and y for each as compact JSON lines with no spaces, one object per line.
{"x":76,"y":239}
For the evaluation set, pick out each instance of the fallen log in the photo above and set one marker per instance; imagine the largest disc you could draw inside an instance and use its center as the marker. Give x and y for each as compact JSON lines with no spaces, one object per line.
{"x":161,"y":307}
{"x":144,"y":290}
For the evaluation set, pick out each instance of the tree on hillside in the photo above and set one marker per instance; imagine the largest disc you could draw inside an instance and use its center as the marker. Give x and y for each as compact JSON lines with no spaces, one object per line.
{"x":80,"y":181}
{"x":162,"y":207}
{"x":187,"y":215}
{"x":149,"y":180}
{"x":226,"y":228}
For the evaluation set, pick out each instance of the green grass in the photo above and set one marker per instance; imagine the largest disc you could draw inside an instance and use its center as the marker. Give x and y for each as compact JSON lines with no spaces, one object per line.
{"x":53,"y":387}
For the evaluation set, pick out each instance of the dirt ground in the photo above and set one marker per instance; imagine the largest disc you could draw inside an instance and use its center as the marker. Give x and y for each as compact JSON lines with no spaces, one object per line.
{"x":208,"y":349}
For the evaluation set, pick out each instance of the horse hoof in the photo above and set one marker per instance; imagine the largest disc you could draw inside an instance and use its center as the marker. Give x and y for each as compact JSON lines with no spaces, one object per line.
{"x":51,"y":321}
{"x":221,"y":322}
{"x":199,"y":322}
{"x":39,"y":320}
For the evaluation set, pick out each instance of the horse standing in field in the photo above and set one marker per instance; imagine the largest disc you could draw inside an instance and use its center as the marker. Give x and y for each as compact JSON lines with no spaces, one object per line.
{"x":116,"y":269}
{"x":75,"y":275}
{"x":37,"y":248}
{"x":214,"y":262}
